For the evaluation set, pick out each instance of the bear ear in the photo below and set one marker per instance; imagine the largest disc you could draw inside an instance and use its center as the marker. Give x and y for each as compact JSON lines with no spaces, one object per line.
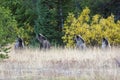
{"x":80,"y":37}
{"x":104,"y":38}
{"x":77,"y":36}
{"x":17,"y":37}
{"x":41,"y":36}
{"x":44,"y":38}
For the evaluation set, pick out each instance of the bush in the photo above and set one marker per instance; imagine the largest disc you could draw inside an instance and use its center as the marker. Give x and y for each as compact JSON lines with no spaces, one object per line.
{"x":26,"y":33}
{"x":4,"y":56}
{"x":8,"y":27}
{"x":91,"y":29}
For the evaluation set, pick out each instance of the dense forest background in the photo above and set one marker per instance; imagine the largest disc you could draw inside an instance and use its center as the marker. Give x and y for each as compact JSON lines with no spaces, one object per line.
{"x":26,"y":18}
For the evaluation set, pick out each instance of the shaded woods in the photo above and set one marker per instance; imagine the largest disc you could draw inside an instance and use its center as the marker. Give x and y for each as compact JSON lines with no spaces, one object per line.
{"x":27,"y":18}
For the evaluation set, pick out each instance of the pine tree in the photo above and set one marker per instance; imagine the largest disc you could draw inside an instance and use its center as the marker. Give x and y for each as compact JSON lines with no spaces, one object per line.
{"x":8,"y":27}
{"x":47,"y":21}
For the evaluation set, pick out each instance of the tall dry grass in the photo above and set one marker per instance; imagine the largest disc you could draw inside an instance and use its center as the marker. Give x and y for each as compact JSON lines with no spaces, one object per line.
{"x":61,"y":64}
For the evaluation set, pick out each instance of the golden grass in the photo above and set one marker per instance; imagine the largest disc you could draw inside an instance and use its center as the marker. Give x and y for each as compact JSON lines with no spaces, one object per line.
{"x":61,"y":64}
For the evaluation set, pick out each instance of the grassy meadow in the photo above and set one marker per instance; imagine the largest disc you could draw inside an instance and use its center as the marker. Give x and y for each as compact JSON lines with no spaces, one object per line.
{"x":61,"y":64}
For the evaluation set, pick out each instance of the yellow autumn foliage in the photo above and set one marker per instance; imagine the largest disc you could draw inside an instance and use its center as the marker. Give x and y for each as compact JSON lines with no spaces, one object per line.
{"x":25,"y":33}
{"x":91,"y":29}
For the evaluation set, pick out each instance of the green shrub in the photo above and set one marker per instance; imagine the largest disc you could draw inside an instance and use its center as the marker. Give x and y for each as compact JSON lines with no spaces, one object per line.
{"x":3,"y":56}
{"x":8,"y":27}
